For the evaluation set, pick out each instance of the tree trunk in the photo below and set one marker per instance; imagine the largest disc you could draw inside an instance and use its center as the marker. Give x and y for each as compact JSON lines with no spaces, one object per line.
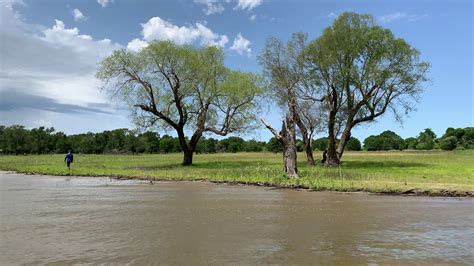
{"x":187,"y":150}
{"x":289,"y":160}
{"x":289,"y":143}
{"x":188,"y":158}
{"x":332,"y":158}
{"x":309,"y":154}
{"x":306,"y":140}
{"x":287,"y":138}
{"x":346,"y":135}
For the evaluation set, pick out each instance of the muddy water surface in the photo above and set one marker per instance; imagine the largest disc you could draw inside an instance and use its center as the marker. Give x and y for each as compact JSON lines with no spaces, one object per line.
{"x":47,"y":219}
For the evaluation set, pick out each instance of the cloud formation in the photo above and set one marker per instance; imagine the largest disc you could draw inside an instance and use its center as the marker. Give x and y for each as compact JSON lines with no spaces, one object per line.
{"x":78,"y":16}
{"x":159,"y":29}
{"x":241,"y":45}
{"x":53,"y":73}
{"x":248,"y":4}
{"x":211,"y":6}
{"x":104,"y":3}
{"x":401,"y":16}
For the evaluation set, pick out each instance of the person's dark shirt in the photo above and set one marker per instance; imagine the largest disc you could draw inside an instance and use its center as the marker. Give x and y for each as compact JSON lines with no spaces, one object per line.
{"x":69,"y":157}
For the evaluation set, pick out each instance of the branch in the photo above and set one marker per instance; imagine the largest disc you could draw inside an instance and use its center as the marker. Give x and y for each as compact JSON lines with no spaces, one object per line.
{"x":157,"y":113}
{"x":274,"y":132}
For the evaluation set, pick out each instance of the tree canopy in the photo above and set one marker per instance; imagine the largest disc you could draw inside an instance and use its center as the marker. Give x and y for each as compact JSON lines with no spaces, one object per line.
{"x":363,"y":70}
{"x":183,"y":88}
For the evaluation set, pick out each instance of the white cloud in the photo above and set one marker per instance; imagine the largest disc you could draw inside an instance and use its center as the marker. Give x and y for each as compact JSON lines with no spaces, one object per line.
{"x":401,"y":16}
{"x":211,"y":6}
{"x":136,"y":45}
{"x":248,"y":4}
{"x":253,"y":18}
{"x":104,"y":3}
{"x":159,"y":29}
{"x":331,"y":14}
{"x":241,"y":45}
{"x":53,"y":73}
{"x":78,"y":15}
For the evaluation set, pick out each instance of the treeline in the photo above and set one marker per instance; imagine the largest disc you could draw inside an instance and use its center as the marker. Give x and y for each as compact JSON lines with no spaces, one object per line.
{"x":19,"y":140}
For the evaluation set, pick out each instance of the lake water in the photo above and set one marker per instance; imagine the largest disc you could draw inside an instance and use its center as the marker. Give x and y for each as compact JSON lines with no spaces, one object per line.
{"x":47,"y":219}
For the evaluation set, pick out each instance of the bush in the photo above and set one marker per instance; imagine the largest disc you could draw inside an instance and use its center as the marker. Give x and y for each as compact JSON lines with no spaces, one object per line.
{"x":448,"y":143}
{"x":353,"y":144}
{"x":320,"y":144}
{"x":426,"y":140}
{"x":410,"y":143}
{"x":274,"y":145}
{"x":387,"y":140}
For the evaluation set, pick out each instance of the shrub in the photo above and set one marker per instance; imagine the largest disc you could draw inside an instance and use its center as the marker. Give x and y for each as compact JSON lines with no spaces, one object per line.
{"x":353,"y":144}
{"x":448,"y":143}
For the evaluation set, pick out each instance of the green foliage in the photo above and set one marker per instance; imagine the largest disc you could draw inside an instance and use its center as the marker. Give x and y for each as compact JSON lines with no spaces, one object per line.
{"x":183,"y":88}
{"x":274,"y":145}
{"x":233,"y":144}
{"x":448,"y":143}
{"x":426,"y":140}
{"x":387,"y":140}
{"x":459,"y":137}
{"x":299,"y":145}
{"x":353,"y":144}
{"x":168,"y":144}
{"x":320,"y":144}
{"x":255,"y":146}
{"x":411,"y":143}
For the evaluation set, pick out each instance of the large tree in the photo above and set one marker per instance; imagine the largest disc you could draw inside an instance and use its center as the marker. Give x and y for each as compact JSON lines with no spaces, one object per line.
{"x":183,"y":88}
{"x":363,"y":70}
{"x":285,"y":72}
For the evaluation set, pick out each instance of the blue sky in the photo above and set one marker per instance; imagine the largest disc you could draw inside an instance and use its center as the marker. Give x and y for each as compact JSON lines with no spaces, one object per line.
{"x":50,"y":50}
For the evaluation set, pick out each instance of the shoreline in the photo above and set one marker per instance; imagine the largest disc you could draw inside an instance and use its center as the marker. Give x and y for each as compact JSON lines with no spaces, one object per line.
{"x":413,"y":192}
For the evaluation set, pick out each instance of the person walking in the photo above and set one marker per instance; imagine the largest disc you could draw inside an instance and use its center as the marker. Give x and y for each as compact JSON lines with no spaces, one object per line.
{"x":69,"y":159}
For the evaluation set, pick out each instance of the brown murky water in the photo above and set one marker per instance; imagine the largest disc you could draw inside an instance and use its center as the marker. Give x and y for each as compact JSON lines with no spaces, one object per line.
{"x":93,"y":220}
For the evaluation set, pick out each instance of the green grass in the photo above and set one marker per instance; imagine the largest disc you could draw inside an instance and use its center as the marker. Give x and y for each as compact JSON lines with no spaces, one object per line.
{"x":433,"y":172}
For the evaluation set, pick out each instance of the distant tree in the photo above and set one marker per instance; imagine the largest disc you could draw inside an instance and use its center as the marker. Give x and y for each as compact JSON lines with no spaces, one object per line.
{"x":61,"y":142}
{"x":321,"y":144}
{"x":116,"y":140}
{"x":363,"y":71}
{"x":254,"y":146}
{"x":183,"y":88}
{"x":426,"y":140}
{"x":274,"y":145}
{"x":468,"y":138}
{"x":300,"y":146}
{"x":449,"y":143}
{"x":152,"y":140}
{"x":353,"y":144}
{"x":168,"y":144}
{"x":410,"y":143}
{"x":387,"y":140}
{"x":208,"y":145}
{"x":16,"y":140}
{"x":233,"y":144}
{"x":374,"y":143}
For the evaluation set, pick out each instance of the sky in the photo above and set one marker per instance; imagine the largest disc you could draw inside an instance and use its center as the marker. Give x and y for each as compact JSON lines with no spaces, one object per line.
{"x":50,"y":49}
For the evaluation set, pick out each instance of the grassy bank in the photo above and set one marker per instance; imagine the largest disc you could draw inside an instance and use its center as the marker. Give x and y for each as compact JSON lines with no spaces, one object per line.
{"x":430,"y":173}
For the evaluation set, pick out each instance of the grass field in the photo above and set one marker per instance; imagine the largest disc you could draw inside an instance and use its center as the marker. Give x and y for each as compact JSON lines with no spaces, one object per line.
{"x":408,"y":172}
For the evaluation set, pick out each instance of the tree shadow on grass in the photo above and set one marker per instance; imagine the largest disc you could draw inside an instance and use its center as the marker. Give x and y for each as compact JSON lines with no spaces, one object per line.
{"x":381,"y":164}
{"x":208,"y":165}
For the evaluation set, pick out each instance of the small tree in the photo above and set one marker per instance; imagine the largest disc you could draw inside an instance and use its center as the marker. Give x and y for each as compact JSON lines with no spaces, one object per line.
{"x":426,"y":140}
{"x":184,"y":89}
{"x":363,"y":70}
